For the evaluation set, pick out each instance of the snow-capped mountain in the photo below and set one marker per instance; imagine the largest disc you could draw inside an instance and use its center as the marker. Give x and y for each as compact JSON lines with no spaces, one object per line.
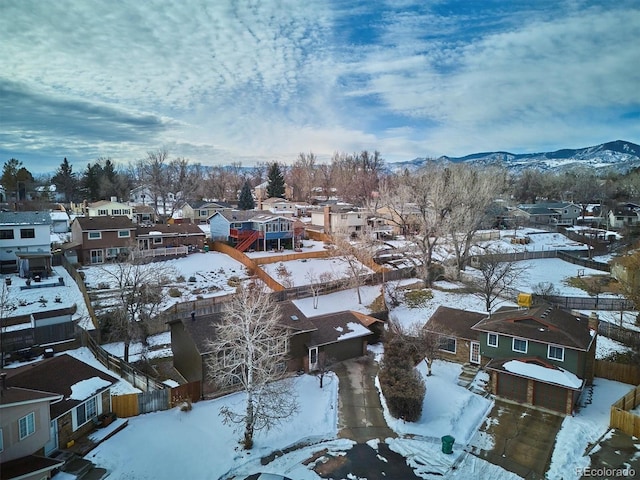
{"x":618,"y":155}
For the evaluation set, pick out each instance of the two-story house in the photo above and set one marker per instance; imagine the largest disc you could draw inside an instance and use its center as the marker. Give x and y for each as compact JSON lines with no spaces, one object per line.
{"x":624,"y":215}
{"x":25,"y":242}
{"x":170,"y":235}
{"x":340,"y":219}
{"x":550,"y":213}
{"x":99,"y":239}
{"x":542,"y":356}
{"x":25,"y":421}
{"x":108,"y":208}
{"x":198,"y":212}
{"x":254,"y":229}
{"x":278,"y":206}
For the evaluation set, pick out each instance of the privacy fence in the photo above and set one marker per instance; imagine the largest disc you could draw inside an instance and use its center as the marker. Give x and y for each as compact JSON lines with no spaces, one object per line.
{"x":621,"y":416}
{"x":133,"y":404}
{"x":81,"y":286}
{"x":622,"y":335}
{"x":620,"y":372}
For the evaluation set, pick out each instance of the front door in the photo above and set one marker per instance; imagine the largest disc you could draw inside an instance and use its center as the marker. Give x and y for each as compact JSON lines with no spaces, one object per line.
{"x":313,"y":358}
{"x":52,"y":444}
{"x":474,"y":353}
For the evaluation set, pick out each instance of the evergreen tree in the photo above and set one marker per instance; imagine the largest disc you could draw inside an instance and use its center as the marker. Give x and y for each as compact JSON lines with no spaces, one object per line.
{"x":245,"y":202}
{"x":66,"y":181}
{"x":275,"y":186}
{"x":16,"y":179}
{"x":91,"y":182}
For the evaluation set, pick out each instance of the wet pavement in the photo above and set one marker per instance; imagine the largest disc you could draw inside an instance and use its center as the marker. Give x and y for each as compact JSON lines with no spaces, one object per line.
{"x":617,"y":451}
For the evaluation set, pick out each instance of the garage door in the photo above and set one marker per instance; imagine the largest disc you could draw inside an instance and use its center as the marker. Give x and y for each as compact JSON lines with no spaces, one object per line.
{"x":550,"y":396}
{"x":514,"y":388}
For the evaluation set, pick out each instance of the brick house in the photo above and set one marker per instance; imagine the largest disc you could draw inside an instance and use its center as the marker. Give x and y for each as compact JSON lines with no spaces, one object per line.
{"x":170,"y":235}
{"x":459,"y":342}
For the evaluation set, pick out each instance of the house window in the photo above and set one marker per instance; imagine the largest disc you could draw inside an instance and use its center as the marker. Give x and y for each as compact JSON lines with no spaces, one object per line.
{"x":27,"y":425}
{"x":27,"y":233}
{"x":124,"y":233}
{"x":103,"y":212}
{"x":116,"y":211}
{"x":85,"y":412}
{"x":95,"y":235}
{"x":448,"y":344}
{"x":492,"y":340}
{"x":555,"y":353}
{"x":203,"y":213}
{"x":126,"y":211}
{"x":343,"y":217}
{"x":97,"y":256}
{"x":6,"y":234}
{"x":519,"y":345}
{"x":157,"y":240}
{"x":112,"y":253}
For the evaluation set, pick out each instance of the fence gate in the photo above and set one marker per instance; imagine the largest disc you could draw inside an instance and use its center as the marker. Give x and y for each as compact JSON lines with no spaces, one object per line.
{"x":153,"y":401}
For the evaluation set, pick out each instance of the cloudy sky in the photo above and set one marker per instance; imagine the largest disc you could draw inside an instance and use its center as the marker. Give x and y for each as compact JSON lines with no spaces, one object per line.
{"x":218,"y":81}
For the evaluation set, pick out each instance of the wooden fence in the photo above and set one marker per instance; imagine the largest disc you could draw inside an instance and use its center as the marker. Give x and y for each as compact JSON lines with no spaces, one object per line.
{"x":133,"y":404}
{"x":620,"y":334}
{"x":287,"y":257}
{"x":622,"y":418}
{"x":83,"y":289}
{"x":620,"y":372}
{"x":251,"y":265}
{"x":162,"y":252}
{"x":120,"y":367}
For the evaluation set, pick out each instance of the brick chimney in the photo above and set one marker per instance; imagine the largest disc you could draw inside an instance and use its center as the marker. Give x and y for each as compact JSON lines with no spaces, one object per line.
{"x":594,"y":321}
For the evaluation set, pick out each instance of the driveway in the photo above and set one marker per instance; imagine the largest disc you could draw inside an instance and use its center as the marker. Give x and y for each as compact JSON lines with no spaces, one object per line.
{"x":523,"y":439}
{"x":360,"y":412}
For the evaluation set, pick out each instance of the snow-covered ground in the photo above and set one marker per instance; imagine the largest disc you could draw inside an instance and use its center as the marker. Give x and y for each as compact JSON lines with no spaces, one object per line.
{"x":295,"y":273}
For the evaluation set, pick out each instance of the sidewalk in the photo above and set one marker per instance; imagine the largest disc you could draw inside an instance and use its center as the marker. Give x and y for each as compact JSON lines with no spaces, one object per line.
{"x":360,"y":412}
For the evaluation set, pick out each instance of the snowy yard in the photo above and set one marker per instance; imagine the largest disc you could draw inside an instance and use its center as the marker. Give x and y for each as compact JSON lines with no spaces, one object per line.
{"x":296,"y":273}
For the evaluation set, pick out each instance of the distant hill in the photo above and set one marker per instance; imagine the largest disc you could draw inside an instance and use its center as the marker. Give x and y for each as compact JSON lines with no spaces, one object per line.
{"x":618,"y":155}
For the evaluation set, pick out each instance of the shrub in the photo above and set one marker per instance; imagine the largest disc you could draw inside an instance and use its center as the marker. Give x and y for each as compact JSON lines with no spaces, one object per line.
{"x":192,"y":279}
{"x":233,"y":281}
{"x":180,"y":279}
{"x":417,"y":298}
{"x":174,"y":292}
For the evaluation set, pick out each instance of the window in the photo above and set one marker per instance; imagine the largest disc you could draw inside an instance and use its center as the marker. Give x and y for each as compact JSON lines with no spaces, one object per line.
{"x":343,"y":216}
{"x":27,"y":425}
{"x":448,"y":344}
{"x":27,"y":233}
{"x":126,"y":211}
{"x":492,"y":340}
{"x":157,"y":240}
{"x":124,"y":233}
{"x":95,"y":235}
{"x":6,"y":234}
{"x":555,"y":353}
{"x":97,"y":256}
{"x":112,"y":253}
{"x":116,"y":211}
{"x":86,"y":411}
{"x":519,"y":345}
{"x":203,"y":213}
{"x":103,"y":212}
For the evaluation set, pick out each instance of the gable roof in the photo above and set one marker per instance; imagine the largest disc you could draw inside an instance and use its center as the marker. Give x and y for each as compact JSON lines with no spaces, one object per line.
{"x":334,"y":327}
{"x":543,"y":323}
{"x":21,"y":396}
{"x":58,"y":375}
{"x":202,"y":329}
{"x":25,"y":218}
{"x":119,"y":222}
{"x":456,"y":322}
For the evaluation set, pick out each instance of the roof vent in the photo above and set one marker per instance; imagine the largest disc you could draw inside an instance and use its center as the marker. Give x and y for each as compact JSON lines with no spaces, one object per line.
{"x":294,"y":317}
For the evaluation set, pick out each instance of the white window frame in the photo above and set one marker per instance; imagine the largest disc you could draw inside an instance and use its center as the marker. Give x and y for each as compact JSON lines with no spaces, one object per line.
{"x":101,"y":256}
{"x":526,"y":345}
{"x":97,"y":410}
{"x":92,"y":235}
{"x":489,"y":336}
{"x":124,"y":234}
{"x":549,"y":347}
{"x":447,"y":339}
{"x":157,"y":240}
{"x":29,"y":422}
{"x":103,"y":212}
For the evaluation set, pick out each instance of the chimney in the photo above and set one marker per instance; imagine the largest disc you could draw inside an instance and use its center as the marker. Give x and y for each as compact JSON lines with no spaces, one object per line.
{"x":327,"y":219}
{"x":594,"y":321}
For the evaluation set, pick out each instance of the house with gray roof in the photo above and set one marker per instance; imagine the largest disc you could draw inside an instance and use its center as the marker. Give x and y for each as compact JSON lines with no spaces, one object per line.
{"x":25,"y":243}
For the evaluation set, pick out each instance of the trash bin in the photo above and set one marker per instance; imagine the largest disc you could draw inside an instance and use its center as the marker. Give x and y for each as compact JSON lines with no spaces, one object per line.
{"x":206,"y":247}
{"x":447,"y":444}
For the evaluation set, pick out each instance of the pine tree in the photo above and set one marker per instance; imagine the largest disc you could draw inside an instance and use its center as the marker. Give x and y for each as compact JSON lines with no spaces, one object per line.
{"x":275,"y":186}
{"x":245,"y":202}
{"x":66,"y":181}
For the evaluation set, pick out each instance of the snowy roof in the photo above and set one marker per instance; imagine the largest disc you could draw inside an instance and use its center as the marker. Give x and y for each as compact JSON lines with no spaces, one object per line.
{"x":454,"y":321}
{"x":541,"y":372}
{"x":339,"y":326}
{"x":60,"y":375}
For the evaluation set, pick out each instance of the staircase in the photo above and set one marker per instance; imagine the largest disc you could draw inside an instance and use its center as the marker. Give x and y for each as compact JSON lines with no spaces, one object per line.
{"x":80,"y":468}
{"x":248,"y":241}
{"x":467,"y":374}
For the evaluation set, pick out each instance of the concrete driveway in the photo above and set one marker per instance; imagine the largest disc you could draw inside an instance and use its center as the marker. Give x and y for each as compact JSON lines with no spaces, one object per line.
{"x":360,"y":412}
{"x":523,"y":439}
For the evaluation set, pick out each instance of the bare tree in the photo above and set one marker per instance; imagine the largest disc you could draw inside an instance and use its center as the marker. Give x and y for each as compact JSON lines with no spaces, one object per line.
{"x":302,"y":175}
{"x":250,"y":350}
{"x":316,"y":282}
{"x":496,"y":276}
{"x":138,"y":286}
{"x":355,"y":257}
{"x":629,"y":281}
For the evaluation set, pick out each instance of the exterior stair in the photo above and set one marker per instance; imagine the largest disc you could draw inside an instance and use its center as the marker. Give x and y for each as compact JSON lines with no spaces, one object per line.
{"x":248,"y":241}
{"x":467,"y":374}
{"x":80,"y":468}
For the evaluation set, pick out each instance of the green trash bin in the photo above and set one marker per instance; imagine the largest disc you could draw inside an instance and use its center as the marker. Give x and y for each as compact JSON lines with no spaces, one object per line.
{"x":447,"y":444}
{"x":206,"y":247}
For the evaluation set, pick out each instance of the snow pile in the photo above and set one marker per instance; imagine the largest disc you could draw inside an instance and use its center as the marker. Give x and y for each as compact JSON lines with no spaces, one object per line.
{"x":559,"y":376}
{"x":584,"y":429}
{"x":86,"y":388}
